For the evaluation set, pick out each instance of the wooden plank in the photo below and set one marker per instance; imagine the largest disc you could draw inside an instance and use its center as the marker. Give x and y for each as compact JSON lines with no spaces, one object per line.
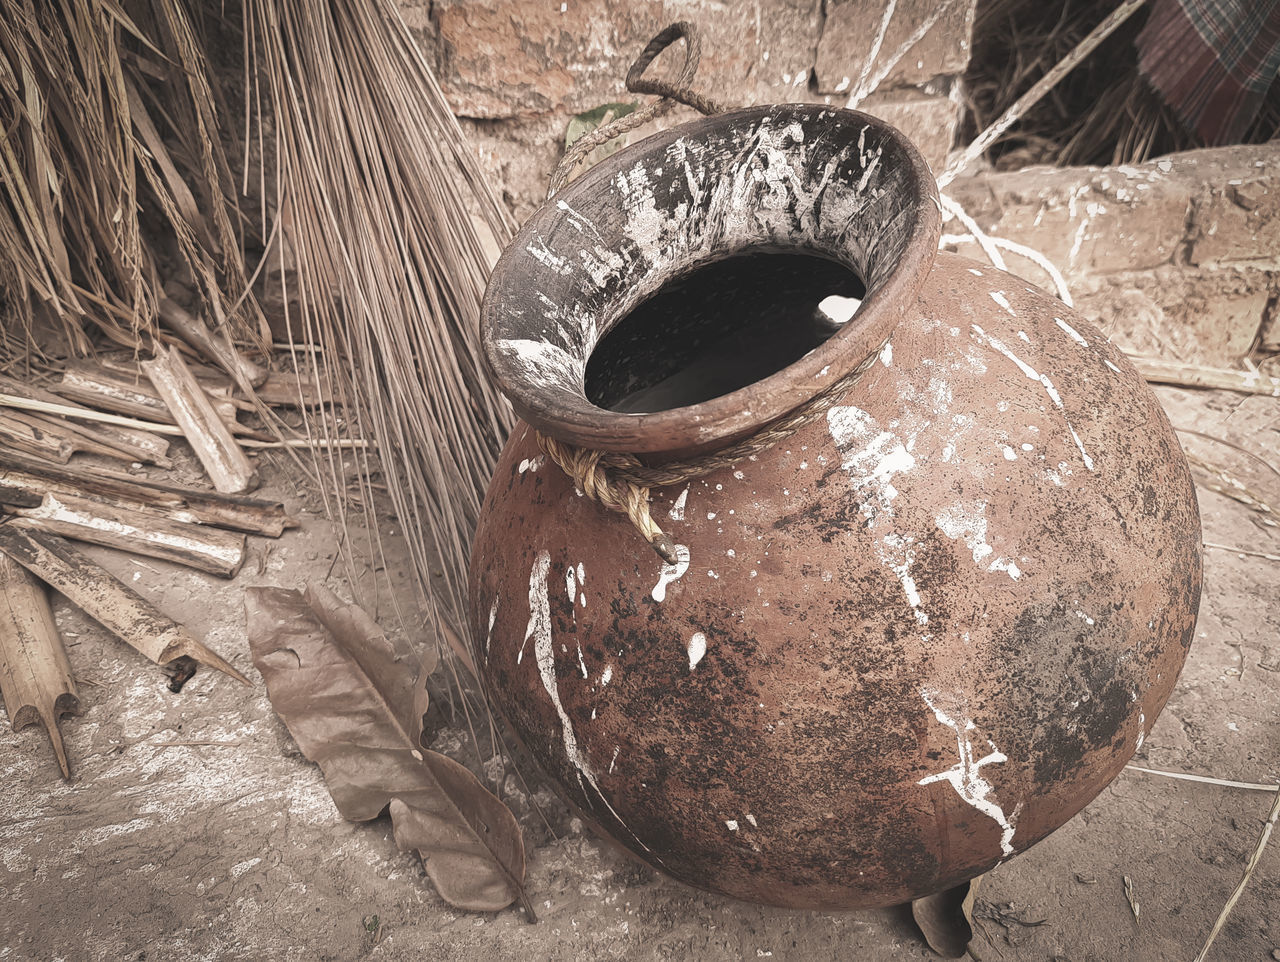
{"x":80,"y":441}
{"x":227,"y":464}
{"x":213,"y":347}
{"x":141,"y":531}
{"x":108,"y":601}
{"x":107,"y":390}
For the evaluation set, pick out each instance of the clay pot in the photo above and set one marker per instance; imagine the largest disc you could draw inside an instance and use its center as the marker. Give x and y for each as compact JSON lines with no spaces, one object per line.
{"x":900,"y":646}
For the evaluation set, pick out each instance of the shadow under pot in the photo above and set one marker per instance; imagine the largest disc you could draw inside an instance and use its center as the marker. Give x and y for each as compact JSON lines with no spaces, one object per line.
{"x":892,"y":648}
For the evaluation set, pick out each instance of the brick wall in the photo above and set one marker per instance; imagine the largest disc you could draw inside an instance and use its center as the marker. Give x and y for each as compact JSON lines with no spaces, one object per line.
{"x":515,"y":71}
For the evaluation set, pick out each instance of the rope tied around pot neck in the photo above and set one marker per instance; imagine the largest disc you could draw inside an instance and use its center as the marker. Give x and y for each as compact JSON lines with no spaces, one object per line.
{"x":619,"y":481}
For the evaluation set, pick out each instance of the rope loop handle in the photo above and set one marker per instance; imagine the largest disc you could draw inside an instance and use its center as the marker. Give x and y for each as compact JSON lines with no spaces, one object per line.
{"x":670,"y":94}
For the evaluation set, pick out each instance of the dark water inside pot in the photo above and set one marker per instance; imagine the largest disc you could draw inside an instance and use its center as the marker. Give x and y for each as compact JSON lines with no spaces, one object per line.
{"x":719,"y":328}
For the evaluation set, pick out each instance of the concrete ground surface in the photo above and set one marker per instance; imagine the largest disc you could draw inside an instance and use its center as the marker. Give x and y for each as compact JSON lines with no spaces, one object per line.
{"x":193,"y":829}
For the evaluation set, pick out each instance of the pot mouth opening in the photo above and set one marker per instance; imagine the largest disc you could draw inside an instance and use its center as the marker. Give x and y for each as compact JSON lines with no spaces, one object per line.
{"x":724,"y":325}
{"x":629,"y":277}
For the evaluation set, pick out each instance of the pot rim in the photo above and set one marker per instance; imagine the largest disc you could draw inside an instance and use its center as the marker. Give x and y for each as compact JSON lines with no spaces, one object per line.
{"x":714,"y":423}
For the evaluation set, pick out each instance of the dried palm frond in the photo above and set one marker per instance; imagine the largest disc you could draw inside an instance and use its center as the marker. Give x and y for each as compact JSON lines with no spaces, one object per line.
{"x":1104,"y":112}
{"x":114,"y":174}
{"x":381,"y":214}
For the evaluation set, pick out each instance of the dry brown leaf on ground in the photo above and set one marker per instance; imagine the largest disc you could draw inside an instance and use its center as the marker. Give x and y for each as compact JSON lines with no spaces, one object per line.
{"x":396,"y":673}
{"x":946,"y":918}
{"x":352,"y":713}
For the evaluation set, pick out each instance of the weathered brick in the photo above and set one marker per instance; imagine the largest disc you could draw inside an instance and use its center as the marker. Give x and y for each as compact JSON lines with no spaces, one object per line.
{"x":505,"y":58}
{"x":1239,"y":221}
{"x":501,"y":58}
{"x":1084,"y":219}
{"x":852,"y":26}
{"x":929,"y":122}
{"x":1200,"y":316}
{"x":753,"y":53}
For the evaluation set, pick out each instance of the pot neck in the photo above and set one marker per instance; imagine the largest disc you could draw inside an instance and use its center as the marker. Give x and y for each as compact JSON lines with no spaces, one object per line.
{"x":798,"y":178}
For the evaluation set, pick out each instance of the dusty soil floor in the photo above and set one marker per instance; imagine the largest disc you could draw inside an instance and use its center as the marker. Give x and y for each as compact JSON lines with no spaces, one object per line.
{"x":194,"y":830}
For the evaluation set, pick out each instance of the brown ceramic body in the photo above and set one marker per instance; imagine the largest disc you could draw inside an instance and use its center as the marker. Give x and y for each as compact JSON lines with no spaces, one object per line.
{"x":909,"y":641}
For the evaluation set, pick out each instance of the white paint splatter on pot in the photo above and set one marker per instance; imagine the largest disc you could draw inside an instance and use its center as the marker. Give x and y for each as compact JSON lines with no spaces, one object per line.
{"x":539,"y":627}
{"x":493,"y":616}
{"x":999,"y":298}
{"x":697,"y":649}
{"x":965,"y":776}
{"x":1071,"y":332}
{"x":677,"y":510}
{"x":671,"y":572}
{"x":1031,"y":372}
{"x":969,"y":523}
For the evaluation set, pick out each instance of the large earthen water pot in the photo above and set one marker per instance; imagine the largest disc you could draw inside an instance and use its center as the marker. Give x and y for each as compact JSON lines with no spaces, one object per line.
{"x":899,"y":646}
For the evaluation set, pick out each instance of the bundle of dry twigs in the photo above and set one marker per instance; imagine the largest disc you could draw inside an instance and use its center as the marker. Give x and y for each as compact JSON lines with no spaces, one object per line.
{"x":382,"y":213}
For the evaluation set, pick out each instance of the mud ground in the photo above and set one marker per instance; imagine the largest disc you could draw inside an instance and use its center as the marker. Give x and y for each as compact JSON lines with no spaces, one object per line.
{"x":193,"y":829}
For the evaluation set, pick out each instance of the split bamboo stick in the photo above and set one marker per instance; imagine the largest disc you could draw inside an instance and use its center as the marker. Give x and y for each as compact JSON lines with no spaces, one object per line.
{"x":139,"y":445}
{"x":141,"y":531}
{"x":227,"y":464}
{"x":35,"y":675}
{"x":237,"y":512}
{"x":108,"y":601}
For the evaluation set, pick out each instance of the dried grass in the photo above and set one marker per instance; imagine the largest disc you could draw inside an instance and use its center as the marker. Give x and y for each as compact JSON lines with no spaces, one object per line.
{"x":114,"y":174}
{"x":381,"y":209}
{"x":1103,"y":113}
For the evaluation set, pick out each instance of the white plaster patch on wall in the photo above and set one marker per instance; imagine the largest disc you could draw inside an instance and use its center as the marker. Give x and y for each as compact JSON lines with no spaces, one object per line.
{"x":969,"y":524}
{"x":966,"y":777}
{"x":1029,"y":371}
{"x":671,"y":572}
